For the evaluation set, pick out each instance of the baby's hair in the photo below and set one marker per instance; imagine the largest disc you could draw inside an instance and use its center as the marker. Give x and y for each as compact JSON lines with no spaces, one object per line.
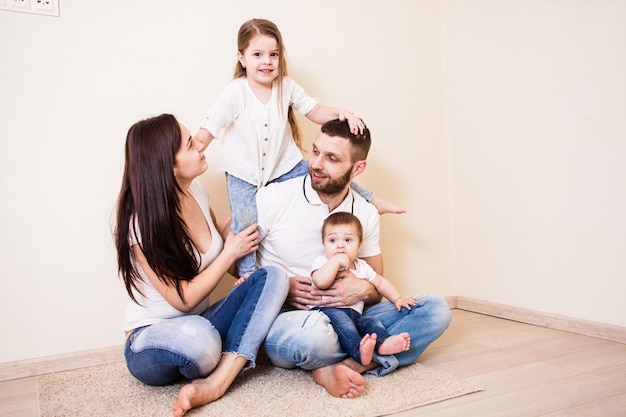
{"x":248,"y":31}
{"x":343,"y":218}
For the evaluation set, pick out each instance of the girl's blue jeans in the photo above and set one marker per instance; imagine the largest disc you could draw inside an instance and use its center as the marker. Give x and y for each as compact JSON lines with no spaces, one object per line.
{"x":241,"y":197}
{"x":306,"y":339}
{"x":191,"y":346}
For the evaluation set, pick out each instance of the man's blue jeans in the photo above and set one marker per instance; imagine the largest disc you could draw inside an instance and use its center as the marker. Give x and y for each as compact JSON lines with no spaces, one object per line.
{"x":191,"y":346}
{"x":306,"y":339}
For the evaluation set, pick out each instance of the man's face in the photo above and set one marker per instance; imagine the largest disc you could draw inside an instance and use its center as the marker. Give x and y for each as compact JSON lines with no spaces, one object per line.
{"x":330,"y":164}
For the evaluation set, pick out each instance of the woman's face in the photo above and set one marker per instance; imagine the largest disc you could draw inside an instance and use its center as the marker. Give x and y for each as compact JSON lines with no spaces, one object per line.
{"x":190,"y":161}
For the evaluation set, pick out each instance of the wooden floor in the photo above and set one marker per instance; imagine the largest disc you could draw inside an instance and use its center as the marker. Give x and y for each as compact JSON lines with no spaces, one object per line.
{"x":527,"y":371}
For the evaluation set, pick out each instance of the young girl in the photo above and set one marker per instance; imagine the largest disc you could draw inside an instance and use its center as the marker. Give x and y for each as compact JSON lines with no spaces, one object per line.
{"x":360,"y":337}
{"x":262,"y":141}
{"x":171,"y":257}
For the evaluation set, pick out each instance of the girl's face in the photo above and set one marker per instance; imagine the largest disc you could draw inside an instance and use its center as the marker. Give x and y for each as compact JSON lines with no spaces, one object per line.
{"x":342,"y":238}
{"x":190,"y":161}
{"x":261,"y":60}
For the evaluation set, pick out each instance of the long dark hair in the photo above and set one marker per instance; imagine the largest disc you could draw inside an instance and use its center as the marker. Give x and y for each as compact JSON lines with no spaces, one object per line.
{"x":150,"y":200}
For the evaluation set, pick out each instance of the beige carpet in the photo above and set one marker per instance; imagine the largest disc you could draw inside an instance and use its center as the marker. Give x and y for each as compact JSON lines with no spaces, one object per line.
{"x":109,"y":390}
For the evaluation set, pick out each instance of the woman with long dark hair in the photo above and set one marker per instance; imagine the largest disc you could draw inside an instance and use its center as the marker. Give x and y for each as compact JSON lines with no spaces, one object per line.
{"x":171,"y":256}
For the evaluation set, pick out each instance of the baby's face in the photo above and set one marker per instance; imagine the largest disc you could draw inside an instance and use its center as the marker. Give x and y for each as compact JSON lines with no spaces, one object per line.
{"x":342,"y":239}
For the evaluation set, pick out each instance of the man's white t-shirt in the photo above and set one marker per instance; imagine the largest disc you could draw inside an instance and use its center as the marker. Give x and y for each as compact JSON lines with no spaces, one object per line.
{"x":290,"y":218}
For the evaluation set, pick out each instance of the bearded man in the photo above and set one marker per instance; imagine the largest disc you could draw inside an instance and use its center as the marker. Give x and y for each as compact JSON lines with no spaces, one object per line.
{"x":290,"y":217}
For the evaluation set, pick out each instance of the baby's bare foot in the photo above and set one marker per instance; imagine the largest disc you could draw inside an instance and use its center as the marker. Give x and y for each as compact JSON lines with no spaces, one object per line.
{"x":366,"y":348}
{"x":395,"y":344}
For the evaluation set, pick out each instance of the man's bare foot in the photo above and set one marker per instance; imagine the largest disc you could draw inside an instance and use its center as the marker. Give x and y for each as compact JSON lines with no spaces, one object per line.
{"x":395,"y":344}
{"x":384,"y":206}
{"x":366,"y":348}
{"x":339,"y":380}
{"x":199,"y":392}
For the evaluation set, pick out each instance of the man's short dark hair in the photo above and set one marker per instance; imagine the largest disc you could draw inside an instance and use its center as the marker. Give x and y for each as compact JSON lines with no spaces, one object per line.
{"x":360,"y":142}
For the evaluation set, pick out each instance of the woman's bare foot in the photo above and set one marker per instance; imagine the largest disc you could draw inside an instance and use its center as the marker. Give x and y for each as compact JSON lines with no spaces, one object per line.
{"x":199,"y":392}
{"x":395,"y":344}
{"x":366,"y":348}
{"x":204,"y":391}
{"x":339,"y":380}
{"x":384,"y":206}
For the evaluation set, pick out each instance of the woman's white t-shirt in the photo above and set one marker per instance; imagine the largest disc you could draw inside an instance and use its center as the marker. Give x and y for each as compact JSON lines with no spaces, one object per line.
{"x":152,"y":307}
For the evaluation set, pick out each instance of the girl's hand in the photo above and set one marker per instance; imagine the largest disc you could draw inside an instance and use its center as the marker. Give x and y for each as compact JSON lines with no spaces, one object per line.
{"x":405,"y":302}
{"x":356,"y":124}
{"x":242,"y":243}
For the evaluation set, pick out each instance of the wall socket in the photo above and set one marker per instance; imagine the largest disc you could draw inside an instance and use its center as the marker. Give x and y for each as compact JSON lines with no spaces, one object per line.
{"x":47,"y":7}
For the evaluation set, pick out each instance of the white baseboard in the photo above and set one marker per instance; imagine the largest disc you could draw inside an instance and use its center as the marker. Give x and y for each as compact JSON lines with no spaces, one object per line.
{"x":66,"y":362}
{"x":552,"y":321}
{"x":59,"y":363}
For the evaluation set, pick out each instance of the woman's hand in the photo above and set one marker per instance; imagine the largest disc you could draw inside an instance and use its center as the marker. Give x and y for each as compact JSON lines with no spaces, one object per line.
{"x":242,"y":243}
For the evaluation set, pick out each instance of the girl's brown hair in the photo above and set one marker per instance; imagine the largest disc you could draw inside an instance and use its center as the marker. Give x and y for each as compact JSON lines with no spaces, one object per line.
{"x":248,"y":31}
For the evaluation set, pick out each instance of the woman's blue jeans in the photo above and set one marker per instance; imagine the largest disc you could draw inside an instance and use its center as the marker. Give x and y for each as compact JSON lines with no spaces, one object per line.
{"x":242,"y":200}
{"x":191,"y":346}
{"x":306,"y":339}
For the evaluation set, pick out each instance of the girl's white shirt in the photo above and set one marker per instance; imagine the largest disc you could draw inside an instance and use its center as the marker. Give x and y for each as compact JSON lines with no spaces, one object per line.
{"x":257,"y":142}
{"x":152,"y":307}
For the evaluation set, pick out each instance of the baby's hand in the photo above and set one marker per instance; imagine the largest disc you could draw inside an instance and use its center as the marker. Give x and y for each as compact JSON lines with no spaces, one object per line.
{"x":405,"y":302}
{"x":344,"y":261}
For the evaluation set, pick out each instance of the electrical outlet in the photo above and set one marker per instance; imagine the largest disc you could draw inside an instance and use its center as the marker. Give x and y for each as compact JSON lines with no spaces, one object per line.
{"x":47,"y":7}
{"x":43,"y":5}
{"x":19,"y":4}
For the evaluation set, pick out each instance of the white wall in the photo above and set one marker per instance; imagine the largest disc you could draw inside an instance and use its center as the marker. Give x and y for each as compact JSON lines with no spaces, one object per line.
{"x":530,"y":156}
{"x":536,"y":114}
{"x":70,"y":87}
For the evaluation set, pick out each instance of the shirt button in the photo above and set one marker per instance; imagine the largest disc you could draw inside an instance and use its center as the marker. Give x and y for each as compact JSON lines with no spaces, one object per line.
{"x":265,"y":125}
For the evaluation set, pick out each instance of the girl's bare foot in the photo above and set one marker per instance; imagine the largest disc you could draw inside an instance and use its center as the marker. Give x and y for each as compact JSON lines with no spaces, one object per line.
{"x":366,"y":348}
{"x":384,"y":206}
{"x":395,"y":344}
{"x":339,"y":380}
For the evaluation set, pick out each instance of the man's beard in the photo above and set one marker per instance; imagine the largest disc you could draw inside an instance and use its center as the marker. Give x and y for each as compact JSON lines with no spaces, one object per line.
{"x":332,"y":185}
